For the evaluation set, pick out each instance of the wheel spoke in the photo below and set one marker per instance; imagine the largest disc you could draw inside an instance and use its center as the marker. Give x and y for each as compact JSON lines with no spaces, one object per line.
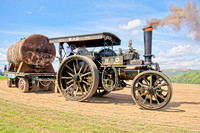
{"x":86,"y":74}
{"x":69,"y":68}
{"x":81,"y":69}
{"x":146,"y":87}
{"x":70,"y":74}
{"x":69,"y":81}
{"x":156,"y":99}
{"x":74,"y":68}
{"x":146,"y":81}
{"x":155,"y":81}
{"x":77,"y":64}
{"x":84,"y":88}
{"x":69,"y":87}
{"x":160,"y":96}
{"x":145,"y":100}
{"x":145,"y":93}
{"x":161,"y":90}
{"x":85,"y":68}
{"x":66,"y":77}
{"x":150,"y":100}
{"x":76,"y":91}
{"x":74,"y":87}
{"x":86,"y":82}
{"x":151,"y":80}
{"x":163,"y":84}
{"x":88,"y":78}
{"x":140,"y":89}
{"x":80,"y":88}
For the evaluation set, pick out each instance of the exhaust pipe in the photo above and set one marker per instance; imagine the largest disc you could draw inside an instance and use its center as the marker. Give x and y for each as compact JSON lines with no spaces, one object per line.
{"x":148,"y":45}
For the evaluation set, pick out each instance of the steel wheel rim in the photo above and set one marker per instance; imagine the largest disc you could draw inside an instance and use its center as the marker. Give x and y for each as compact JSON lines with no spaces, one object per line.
{"x":109,"y":78}
{"x":76,"y":78}
{"x":21,"y":84}
{"x":151,"y":90}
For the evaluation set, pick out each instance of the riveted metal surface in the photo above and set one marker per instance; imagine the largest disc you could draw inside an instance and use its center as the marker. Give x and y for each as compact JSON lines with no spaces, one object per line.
{"x":35,"y":51}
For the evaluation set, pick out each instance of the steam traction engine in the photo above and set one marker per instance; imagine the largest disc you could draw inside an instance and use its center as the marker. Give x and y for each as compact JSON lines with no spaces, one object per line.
{"x":98,"y":73}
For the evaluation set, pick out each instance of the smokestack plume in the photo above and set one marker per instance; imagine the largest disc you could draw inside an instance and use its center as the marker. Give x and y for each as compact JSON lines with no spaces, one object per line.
{"x":189,"y":15}
{"x":147,"y":45}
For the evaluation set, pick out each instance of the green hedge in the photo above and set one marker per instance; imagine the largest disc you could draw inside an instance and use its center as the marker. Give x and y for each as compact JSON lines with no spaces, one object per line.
{"x":191,"y":77}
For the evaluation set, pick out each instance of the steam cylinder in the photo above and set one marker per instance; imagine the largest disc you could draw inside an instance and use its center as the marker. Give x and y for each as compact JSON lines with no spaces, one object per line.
{"x":35,"y":51}
{"x":148,"y":45}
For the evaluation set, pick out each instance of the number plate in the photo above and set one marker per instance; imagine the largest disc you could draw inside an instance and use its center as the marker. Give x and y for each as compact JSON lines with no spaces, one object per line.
{"x":112,"y":60}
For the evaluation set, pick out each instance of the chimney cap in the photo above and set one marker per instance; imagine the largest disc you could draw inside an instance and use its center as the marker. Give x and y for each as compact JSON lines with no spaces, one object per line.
{"x":148,"y":29}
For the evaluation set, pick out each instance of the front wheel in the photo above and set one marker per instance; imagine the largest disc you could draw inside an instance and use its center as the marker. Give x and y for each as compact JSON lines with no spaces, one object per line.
{"x":151,"y":90}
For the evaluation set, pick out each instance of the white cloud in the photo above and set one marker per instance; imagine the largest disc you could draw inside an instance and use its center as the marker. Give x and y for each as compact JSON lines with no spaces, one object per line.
{"x":131,"y":25}
{"x":15,"y":32}
{"x":3,"y":59}
{"x":196,"y":50}
{"x":134,"y":32}
{"x":40,"y":10}
{"x":177,"y":51}
{"x":35,"y":11}
{"x":3,"y":50}
{"x":181,"y":62}
{"x":28,"y":12}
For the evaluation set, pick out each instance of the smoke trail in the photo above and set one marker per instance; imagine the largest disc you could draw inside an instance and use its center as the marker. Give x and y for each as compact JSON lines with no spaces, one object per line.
{"x":189,"y":15}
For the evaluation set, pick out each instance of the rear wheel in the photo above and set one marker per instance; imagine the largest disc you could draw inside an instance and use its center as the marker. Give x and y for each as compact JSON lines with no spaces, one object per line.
{"x":9,"y":82}
{"x":78,"y":78}
{"x":23,"y":85}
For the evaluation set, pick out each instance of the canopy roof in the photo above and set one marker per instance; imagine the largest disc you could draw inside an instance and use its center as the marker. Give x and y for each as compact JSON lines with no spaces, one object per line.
{"x":90,"y":40}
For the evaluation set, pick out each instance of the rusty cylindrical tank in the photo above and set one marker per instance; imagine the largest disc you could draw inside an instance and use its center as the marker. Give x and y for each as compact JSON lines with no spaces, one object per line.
{"x":35,"y":51}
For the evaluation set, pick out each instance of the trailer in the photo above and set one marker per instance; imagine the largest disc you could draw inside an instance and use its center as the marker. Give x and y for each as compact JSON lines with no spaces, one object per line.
{"x":30,"y":64}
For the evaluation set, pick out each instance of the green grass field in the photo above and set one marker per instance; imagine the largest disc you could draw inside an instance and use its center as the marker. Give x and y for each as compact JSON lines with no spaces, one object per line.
{"x":15,"y":117}
{"x":3,"y":77}
{"x":191,"y":77}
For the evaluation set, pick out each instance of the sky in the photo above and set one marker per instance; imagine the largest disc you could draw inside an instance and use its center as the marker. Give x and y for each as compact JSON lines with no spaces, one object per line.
{"x":124,"y":18}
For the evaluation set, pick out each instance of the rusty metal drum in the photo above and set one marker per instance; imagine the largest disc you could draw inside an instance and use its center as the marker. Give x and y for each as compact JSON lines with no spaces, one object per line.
{"x":35,"y":51}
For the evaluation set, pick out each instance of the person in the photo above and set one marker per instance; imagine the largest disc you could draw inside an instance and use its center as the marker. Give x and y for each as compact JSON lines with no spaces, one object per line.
{"x":82,"y":50}
{"x":70,"y":51}
{"x":5,"y":68}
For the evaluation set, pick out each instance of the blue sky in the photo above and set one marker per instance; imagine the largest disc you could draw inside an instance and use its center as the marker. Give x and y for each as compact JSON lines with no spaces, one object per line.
{"x":125,"y":18}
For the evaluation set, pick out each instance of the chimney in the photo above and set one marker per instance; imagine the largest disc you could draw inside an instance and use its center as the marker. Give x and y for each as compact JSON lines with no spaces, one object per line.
{"x":147,"y":45}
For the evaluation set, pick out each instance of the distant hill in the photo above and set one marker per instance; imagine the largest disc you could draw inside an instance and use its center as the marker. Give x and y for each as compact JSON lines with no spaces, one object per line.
{"x":174,"y":72}
{"x":190,"y":77}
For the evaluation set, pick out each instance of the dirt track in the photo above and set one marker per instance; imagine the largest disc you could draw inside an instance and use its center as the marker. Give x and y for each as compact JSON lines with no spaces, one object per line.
{"x":182,"y":112}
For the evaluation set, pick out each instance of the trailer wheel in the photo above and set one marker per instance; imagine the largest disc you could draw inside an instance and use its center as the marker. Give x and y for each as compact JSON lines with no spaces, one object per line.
{"x":151,"y":90}
{"x":23,"y":85}
{"x":9,"y":82}
{"x":77,"y":78}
